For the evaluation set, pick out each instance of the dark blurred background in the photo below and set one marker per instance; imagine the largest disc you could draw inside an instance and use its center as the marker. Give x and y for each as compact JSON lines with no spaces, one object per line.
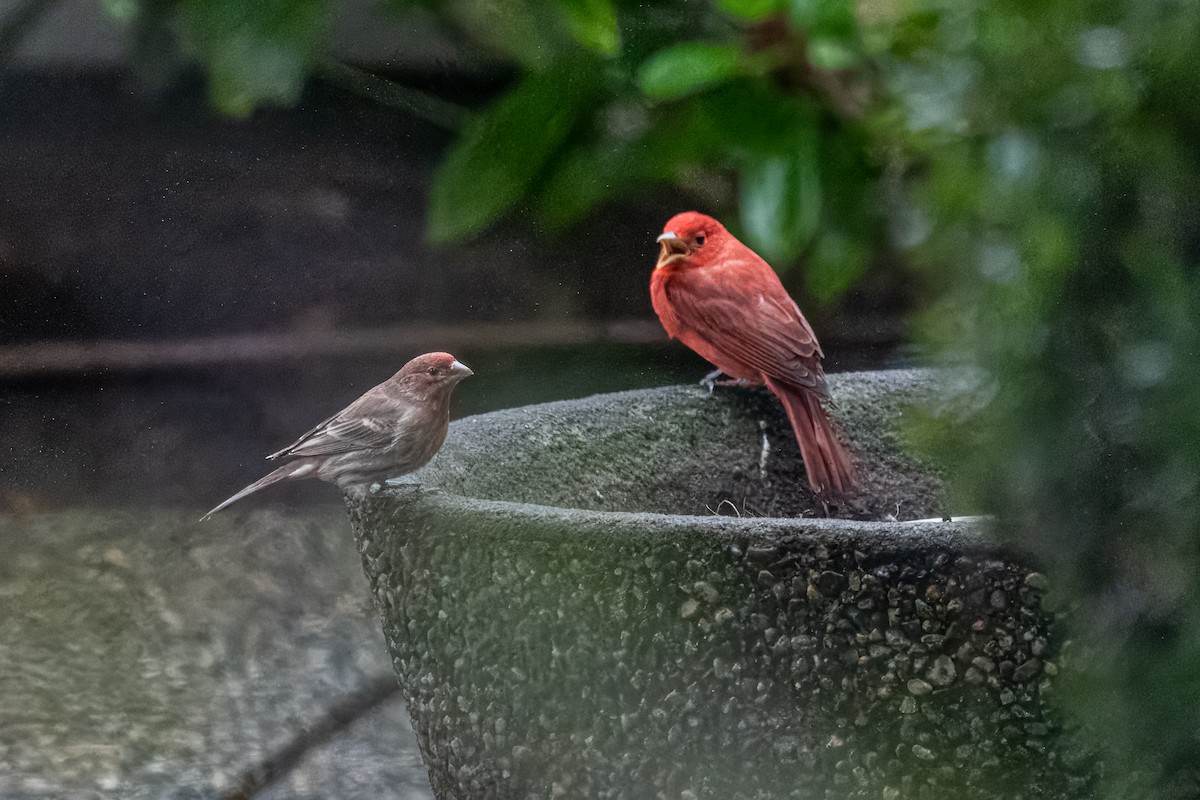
{"x":185,"y":287}
{"x":184,"y":291}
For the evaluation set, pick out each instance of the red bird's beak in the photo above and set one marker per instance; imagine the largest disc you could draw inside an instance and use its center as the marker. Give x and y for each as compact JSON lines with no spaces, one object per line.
{"x":673,"y":249}
{"x":460,"y":370}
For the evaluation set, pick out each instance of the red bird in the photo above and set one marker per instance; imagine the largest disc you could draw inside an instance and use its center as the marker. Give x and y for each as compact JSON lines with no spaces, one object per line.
{"x":391,"y":430}
{"x":718,"y":297}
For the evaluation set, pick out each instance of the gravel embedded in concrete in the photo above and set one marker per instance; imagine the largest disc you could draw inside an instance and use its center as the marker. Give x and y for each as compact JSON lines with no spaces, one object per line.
{"x":663,"y":654}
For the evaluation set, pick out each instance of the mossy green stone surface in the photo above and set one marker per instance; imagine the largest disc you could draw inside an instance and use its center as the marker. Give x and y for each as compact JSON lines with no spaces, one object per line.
{"x":569,"y":618}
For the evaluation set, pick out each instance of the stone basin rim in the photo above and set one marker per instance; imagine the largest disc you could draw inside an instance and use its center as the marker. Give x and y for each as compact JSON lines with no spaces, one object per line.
{"x":445,"y":500}
{"x":677,"y":451}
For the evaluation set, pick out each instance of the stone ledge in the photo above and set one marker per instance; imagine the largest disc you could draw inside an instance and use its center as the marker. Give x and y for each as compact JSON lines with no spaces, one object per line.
{"x":683,"y":450}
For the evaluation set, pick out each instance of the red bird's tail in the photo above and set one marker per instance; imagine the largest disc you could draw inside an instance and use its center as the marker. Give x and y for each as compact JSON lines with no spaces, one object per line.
{"x":830,"y":470}
{"x":301,"y":468}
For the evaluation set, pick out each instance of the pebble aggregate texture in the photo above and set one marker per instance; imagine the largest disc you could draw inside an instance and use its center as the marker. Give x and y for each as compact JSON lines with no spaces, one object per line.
{"x":551,"y":645}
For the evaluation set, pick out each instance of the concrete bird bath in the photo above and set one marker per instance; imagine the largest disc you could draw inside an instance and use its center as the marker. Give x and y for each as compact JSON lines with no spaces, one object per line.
{"x":568,"y":615}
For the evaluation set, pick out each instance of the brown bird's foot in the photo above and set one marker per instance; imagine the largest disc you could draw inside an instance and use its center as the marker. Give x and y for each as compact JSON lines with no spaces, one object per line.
{"x":356,"y":490}
{"x":825,"y":506}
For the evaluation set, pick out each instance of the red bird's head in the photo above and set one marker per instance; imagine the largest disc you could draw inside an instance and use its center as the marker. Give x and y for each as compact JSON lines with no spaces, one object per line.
{"x":691,"y":238}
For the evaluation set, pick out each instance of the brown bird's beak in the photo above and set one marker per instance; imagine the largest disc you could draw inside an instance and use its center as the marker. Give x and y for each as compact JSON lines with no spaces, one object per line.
{"x":673,"y":248}
{"x":460,"y":370}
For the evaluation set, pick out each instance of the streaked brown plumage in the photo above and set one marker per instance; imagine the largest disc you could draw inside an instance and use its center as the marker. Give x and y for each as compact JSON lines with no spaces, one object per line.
{"x":718,"y":297}
{"x":393,"y":429}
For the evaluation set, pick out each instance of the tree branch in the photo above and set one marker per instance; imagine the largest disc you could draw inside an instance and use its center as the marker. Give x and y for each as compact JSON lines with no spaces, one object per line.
{"x":19,"y":22}
{"x":420,"y":104}
{"x":43,"y":359}
{"x":331,"y":723}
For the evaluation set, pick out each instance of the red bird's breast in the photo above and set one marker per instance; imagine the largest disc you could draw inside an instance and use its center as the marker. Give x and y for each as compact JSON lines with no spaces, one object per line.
{"x":661,"y":300}
{"x":691,"y":311}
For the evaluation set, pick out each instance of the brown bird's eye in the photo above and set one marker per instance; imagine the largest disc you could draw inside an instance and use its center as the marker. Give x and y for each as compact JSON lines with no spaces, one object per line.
{"x":699,"y":240}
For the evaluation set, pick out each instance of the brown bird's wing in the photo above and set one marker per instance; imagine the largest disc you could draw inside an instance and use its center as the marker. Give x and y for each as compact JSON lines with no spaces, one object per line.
{"x":369,"y":422}
{"x":342,"y":436}
{"x":740,"y":308}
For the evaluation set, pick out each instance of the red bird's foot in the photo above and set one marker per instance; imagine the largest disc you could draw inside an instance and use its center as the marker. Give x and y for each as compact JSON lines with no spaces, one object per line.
{"x":710,"y":380}
{"x":713,"y":379}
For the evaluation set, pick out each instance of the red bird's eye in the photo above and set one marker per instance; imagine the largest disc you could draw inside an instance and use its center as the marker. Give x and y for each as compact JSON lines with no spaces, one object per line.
{"x":699,"y":240}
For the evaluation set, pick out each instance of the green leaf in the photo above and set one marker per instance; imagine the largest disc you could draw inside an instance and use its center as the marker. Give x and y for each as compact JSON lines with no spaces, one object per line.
{"x":827,"y":53}
{"x":751,"y":9}
{"x":836,"y":264}
{"x":780,"y":204}
{"x":750,"y":116}
{"x":505,"y":148}
{"x":124,"y":10}
{"x":526,"y":31}
{"x":834,"y":18}
{"x":583,"y":178}
{"x":243,"y":74}
{"x":593,"y":23}
{"x":594,"y":172}
{"x":155,"y":50}
{"x":688,"y":68}
{"x":255,"y":52}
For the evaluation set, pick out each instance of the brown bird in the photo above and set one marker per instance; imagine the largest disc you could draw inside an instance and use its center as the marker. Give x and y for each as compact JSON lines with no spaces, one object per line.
{"x":391,"y":430}
{"x":718,"y":297}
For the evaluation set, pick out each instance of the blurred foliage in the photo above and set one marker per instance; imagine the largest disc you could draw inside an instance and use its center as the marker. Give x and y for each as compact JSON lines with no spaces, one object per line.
{"x":1038,"y":159}
{"x":253,"y":53}
{"x":1060,"y":216}
{"x":771,"y":113}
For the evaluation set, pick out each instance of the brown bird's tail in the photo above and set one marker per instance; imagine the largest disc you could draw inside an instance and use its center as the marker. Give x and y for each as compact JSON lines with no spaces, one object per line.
{"x":301,"y":468}
{"x":830,"y":470}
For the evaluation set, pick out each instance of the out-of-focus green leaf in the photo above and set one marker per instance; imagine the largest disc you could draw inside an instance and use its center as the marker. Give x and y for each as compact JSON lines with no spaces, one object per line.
{"x":154,"y":44}
{"x":781,"y":199}
{"x":752,"y":9}
{"x":505,"y":148}
{"x":828,"y":53}
{"x":903,"y":35}
{"x":593,"y":24}
{"x":526,"y":31}
{"x":243,"y":74}
{"x":587,"y":176}
{"x":833,"y":18}
{"x":834,"y":265}
{"x":255,"y":52}
{"x":596,"y":171}
{"x":747,"y":117}
{"x":688,"y":68}
{"x":1064,"y":242}
{"x":124,"y":10}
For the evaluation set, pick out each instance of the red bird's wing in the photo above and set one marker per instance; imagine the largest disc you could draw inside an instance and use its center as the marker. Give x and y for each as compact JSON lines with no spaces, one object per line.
{"x":739,"y":308}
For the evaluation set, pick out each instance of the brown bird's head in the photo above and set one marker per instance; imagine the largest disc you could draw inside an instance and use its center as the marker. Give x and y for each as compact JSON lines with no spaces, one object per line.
{"x":432,"y":372}
{"x":691,"y":238}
